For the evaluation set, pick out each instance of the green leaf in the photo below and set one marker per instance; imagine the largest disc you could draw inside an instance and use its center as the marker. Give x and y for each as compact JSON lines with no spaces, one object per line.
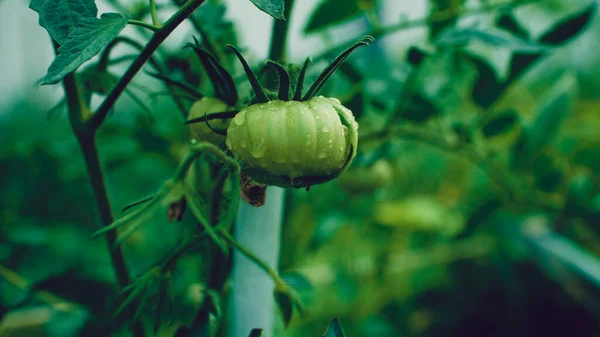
{"x":286,"y":307}
{"x":501,"y":124}
{"x":334,"y":329}
{"x":586,"y":155}
{"x":83,"y":43}
{"x":570,"y":26}
{"x":480,"y":215}
{"x":331,"y":12}
{"x":256,"y":333}
{"x":459,"y":36}
{"x":61,"y":17}
{"x":556,"y":104}
{"x":272,"y":7}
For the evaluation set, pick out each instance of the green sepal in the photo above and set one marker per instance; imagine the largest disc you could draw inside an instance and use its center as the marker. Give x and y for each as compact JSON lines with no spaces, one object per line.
{"x":186,"y":87}
{"x":301,"y":76}
{"x":220,"y":78}
{"x":211,"y":116}
{"x":284,"y":80}
{"x":261,"y":97}
{"x":219,"y":131}
{"x":331,"y":68}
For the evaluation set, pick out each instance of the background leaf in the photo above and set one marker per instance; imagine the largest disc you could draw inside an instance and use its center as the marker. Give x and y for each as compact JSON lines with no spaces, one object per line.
{"x":272,"y":7}
{"x":331,"y":12}
{"x":83,"y":43}
{"x":61,"y":17}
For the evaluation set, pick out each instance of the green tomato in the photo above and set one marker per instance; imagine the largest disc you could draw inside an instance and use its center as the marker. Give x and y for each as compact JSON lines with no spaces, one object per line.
{"x":366,"y":179}
{"x":200,"y":131}
{"x":294,"y":143}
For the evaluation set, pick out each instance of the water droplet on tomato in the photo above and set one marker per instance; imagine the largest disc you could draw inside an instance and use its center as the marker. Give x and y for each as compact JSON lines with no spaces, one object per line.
{"x":257,"y":150}
{"x":322,"y":155}
{"x":240,"y":119}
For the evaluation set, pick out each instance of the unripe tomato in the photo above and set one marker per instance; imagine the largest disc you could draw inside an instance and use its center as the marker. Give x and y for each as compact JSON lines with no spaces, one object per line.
{"x":418,"y":213}
{"x":200,"y":131}
{"x":294,"y":143}
{"x":366,"y":179}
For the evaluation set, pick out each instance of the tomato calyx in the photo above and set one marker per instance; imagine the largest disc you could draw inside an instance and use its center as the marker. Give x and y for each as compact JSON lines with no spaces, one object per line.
{"x":284,"y":77}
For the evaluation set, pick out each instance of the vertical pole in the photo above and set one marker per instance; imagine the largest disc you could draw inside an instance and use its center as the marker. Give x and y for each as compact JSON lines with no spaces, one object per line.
{"x":252,"y":303}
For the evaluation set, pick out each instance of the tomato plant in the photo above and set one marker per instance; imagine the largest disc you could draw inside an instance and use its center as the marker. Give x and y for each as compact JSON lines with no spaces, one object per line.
{"x":246,"y":199}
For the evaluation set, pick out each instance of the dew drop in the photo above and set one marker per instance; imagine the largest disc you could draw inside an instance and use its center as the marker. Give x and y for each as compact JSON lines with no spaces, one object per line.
{"x":240,"y":119}
{"x":322,"y":155}
{"x":344,"y":130}
{"x":257,"y":150}
{"x":325,"y":129}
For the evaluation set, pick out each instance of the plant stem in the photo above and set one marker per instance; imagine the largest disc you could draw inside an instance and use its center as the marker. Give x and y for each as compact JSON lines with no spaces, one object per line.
{"x":143,"y":24}
{"x":157,"y":38}
{"x":78,"y":112}
{"x":280,"y":29}
{"x":250,"y":255}
{"x":153,"y":13}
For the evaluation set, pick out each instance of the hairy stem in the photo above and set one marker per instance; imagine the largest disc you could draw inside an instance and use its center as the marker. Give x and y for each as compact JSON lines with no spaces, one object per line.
{"x":87,"y":141}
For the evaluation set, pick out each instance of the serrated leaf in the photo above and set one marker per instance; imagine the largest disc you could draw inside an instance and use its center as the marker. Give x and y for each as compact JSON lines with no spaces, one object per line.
{"x":85,"y":41}
{"x":331,"y":12}
{"x":492,"y":36}
{"x":286,"y":307}
{"x":61,"y":17}
{"x":334,"y":329}
{"x":272,"y":7}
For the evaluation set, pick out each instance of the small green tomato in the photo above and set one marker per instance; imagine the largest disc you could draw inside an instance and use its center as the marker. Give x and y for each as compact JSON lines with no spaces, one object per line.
{"x":294,"y":143}
{"x":202,"y":132}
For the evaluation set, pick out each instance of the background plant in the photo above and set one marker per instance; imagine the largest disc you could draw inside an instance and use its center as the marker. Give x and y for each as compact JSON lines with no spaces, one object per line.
{"x":486,"y":224}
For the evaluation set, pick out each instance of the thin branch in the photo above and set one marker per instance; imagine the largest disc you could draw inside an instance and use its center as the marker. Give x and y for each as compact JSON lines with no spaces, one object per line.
{"x":157,"y":38}
{"x":143,"y":24}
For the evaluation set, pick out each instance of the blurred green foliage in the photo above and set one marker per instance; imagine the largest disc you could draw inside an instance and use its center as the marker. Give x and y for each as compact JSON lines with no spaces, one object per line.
{"x":484,"y":221}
